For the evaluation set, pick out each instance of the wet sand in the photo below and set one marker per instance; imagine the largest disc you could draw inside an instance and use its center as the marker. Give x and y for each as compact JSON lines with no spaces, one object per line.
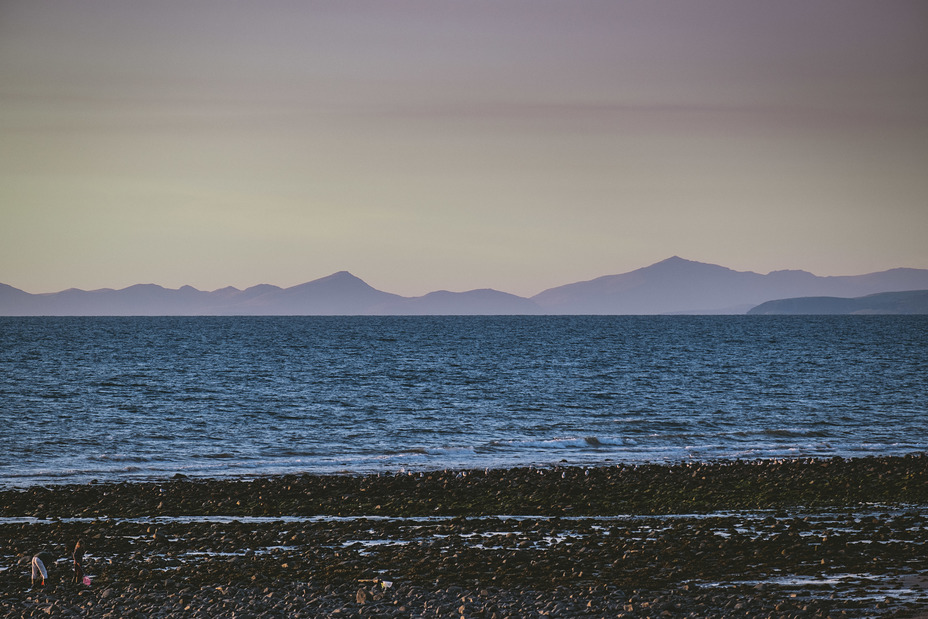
{"x":798,"y":538}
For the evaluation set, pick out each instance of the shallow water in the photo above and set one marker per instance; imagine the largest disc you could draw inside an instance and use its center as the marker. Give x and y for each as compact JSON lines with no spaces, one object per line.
{"x":127,"y":398}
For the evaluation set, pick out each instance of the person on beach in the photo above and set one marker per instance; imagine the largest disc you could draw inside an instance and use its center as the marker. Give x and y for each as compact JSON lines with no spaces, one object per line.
{"x":39,"y":571}
{"x":78,"y":557}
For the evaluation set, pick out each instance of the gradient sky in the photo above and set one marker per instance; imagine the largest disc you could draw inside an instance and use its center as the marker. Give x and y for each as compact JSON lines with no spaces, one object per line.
{"x":457,"y":144}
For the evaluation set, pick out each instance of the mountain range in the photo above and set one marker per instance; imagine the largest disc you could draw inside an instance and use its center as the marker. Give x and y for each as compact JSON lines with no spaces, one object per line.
{"x":907,"y":302}
{"x":672,"y":286}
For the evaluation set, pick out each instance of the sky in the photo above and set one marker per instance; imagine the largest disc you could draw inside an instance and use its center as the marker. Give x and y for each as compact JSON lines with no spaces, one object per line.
{"x":457,"y":144}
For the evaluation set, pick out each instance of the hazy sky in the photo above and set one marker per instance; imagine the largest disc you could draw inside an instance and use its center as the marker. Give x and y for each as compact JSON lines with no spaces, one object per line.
{"x":457,"y":144}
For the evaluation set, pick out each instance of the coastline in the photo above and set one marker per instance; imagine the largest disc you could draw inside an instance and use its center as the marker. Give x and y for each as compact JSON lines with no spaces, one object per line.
{"x":555,"y":491}
{"x":805,"y":537}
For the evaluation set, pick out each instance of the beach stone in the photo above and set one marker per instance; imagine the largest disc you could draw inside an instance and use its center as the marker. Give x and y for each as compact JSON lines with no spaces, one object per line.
{"x":471,"y":563}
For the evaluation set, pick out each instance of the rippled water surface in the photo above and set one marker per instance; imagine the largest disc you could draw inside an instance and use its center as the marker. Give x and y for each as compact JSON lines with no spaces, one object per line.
{"x":119,"y":398}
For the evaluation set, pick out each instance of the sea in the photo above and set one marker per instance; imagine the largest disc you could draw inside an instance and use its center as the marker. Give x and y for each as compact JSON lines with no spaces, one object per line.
{"x":146,"y":398}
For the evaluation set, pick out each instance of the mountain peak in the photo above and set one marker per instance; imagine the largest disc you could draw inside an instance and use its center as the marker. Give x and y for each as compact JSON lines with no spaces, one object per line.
{"x":677,"y":263}
{"x":339,"y":278}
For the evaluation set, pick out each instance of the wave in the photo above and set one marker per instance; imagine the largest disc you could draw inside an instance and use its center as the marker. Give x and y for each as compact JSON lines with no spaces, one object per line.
{"x":647,"y":424}
{"x":794,"y":433}
{"x":585,"y":442}
{"x":428,"y":451}
{"x":782,"y":433}
{"x":422,"y":451}
{"x":119,"y":458}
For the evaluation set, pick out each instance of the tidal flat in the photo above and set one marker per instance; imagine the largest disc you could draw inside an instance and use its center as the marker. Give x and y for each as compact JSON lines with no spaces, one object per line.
{"x":771,"y":538}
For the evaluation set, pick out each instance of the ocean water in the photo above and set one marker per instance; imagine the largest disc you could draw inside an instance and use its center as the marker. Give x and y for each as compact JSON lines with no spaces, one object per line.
{"x":141,"y":398}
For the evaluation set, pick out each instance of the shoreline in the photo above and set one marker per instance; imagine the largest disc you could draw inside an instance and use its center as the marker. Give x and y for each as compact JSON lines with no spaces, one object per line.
{"x":557,"y":490}
{"x":793,"y":538}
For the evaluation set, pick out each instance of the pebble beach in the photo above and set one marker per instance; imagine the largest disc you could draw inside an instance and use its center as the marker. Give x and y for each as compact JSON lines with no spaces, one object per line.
{"x":766,"y":538}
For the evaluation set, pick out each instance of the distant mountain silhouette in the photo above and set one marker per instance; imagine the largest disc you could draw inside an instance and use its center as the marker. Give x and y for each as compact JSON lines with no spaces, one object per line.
{"x":15,"y":302}
{"x":338,"y":294}
{"x":678,"y":286}
{"x":907,"y":302}
{"x":672,"y":286}
{"x":484,"y":302}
